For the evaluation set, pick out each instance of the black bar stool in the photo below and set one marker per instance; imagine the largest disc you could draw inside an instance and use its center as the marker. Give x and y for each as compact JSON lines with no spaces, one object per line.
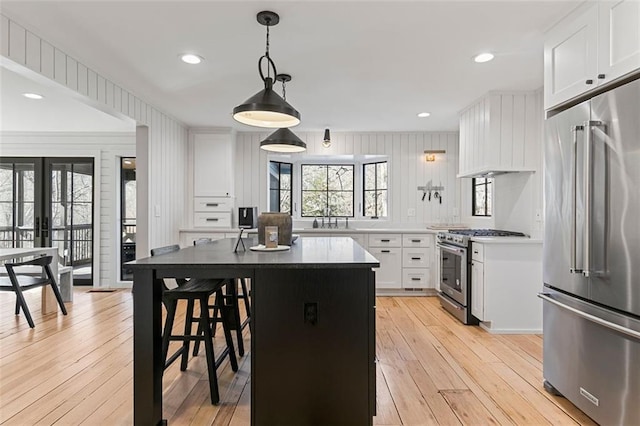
{"x":192,"y":290}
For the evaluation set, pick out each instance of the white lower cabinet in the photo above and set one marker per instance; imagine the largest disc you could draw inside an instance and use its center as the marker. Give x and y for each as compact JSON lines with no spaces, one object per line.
{"x":477,"y":289}
{"x":387,"y":248}
{"x":388,"y":275}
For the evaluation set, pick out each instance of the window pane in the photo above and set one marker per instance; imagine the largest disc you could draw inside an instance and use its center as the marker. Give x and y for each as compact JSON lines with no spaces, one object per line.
{"x":81,"y":214}
{"x":273,"y":175}
{"x":369,"y":203}
{"x":285,"y":181}
{"x":480,"y":200}
{"x":489,"y":199}
{"x":314,"y":203}
{"x":369,"y":176}
{"x":479,"y":181}
{"x":382,"y":203}
{"x":341,"y":203}
{"x":285,"y":202}
{"x":314,"y":178}
{"x":82,"y":187}
{"x":274,"y":200}
{"x":340,"y":178}
{"x":382,"y":176}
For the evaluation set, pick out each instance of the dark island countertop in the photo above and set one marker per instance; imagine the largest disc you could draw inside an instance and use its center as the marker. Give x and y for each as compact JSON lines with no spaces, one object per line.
{"x":308,"y":253}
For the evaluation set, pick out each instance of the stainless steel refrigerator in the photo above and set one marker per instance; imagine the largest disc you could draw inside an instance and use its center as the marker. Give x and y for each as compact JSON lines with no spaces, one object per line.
{"x":591,"y":264}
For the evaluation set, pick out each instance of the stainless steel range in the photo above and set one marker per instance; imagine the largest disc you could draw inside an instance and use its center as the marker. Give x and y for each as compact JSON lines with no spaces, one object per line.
{"x":455,"y":269}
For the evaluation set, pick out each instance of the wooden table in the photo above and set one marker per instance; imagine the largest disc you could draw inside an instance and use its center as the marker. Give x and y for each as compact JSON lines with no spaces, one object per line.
{"x":49,"y":303}
{"x":312,"y":331}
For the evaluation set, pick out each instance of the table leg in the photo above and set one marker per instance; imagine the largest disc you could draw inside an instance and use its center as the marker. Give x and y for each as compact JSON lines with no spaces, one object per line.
{"x":49,"y":303}
{"x":147,"y":348}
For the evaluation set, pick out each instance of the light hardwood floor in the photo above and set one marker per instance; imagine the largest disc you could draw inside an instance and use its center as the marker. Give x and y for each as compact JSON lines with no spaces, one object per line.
{"x":431,"y":370}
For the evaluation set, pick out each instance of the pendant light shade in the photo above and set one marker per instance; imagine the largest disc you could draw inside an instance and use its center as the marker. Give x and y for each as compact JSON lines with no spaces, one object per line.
{"x":326,"y":141}
{"x":266,"y":108}
{"x":283,"y":140}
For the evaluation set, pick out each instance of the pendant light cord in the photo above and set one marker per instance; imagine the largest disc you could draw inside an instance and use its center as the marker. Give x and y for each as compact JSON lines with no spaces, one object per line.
{"x":270,"y":63}
{"x":266,"y":53}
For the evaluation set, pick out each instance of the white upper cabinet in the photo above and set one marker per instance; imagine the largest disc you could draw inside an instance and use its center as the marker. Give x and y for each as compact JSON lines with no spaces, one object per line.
{"x":570,"y":58}
{"x":619,"y":39}
{"x":212,"y":165}
{"x":499,"y":133}
{"x":595,"y":45}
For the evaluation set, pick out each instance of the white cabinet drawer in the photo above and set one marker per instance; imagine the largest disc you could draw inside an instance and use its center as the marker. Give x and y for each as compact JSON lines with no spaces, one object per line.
{"x":416,"y":240}
{"x":477,"y":252}
{"x":418,"y":257}
{"x":212,"y":204}
{"x":385,"y":240}
{"x":212,"y":220}
{"x":416,"y":278}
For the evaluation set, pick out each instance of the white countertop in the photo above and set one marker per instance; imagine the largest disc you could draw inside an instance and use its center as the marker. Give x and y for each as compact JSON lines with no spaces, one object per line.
{"x":324,"y":230}
{"x":506,"y":240}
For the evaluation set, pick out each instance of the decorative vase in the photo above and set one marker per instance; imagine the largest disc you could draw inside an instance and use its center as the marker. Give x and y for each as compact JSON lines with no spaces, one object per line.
{"x":281,"y":220}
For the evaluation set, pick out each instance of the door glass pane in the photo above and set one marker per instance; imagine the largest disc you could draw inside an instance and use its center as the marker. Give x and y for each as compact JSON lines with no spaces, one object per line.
{"x":17,"y":195}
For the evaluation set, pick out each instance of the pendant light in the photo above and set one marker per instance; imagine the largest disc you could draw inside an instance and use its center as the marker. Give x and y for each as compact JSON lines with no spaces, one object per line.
{"x":326,"y":141}
{"x":266,"y":108}
{"x":283,"y":140}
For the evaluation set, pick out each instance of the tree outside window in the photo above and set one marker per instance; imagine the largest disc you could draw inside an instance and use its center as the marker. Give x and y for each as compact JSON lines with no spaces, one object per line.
{"x":280,"y":189}
{"x":375,"y":189}
{"x":482,"y":196}
{"x":327,"y":189}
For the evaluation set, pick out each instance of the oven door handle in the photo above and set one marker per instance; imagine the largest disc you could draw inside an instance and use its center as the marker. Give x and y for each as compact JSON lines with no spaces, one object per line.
{"x":453,"y":249}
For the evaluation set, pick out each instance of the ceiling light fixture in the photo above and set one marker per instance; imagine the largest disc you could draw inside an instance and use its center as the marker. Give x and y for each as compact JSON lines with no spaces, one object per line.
{"x":283,"y":140}
{"x":191,"y":59}
{"x":483,"y":57}
{"x":424,"y":114}
{"x":266,"y":108}
{"x":326,"y":141}
{"x":32,"y":96}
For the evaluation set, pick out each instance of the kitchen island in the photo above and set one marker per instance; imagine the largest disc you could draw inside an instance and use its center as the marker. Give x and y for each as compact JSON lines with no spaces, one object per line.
{"x":312,"y":330}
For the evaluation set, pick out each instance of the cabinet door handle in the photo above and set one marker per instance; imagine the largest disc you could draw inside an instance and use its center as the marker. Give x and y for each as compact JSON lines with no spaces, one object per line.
{"x":445,"y":279}
{"x":416,"y":241}
{"x":385,"y":251}
{"x":416,"y":258}
{"x":415,"y":279}
{"x":212,"y":219}
{"x":445,"y":258}
{"x":212,"y":204}
{"x":475,"y":252}
{"x":590,"y":81}
{"x":385,"y":241}
{"x":601,"y":76}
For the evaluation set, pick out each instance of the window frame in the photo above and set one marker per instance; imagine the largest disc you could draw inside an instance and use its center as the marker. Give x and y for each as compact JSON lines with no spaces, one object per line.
{"x":375,"y":190}
{"x":279,"y":189}
{"x":327,"y":165}
{"x":488,"y":188}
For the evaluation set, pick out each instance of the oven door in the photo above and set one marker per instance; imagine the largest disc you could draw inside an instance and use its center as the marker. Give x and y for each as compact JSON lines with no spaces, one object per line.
{"x":453,"y":272}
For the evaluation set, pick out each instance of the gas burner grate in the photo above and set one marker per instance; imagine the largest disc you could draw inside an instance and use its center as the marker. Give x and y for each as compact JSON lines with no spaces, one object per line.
{"x":486,"y":233}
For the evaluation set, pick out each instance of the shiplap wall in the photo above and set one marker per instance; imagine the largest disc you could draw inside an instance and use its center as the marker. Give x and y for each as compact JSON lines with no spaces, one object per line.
{"x":106,"y":149}
{"x":165,"y":148}
{"x":408,"y":169}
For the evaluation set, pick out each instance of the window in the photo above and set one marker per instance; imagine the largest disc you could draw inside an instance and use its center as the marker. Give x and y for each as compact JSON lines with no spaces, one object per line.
{"x":375,"y":189}
{"x":482,"y":196}
{"x":327,"y":190}
{"x":280,"y":189}
{"x":127,"y":215}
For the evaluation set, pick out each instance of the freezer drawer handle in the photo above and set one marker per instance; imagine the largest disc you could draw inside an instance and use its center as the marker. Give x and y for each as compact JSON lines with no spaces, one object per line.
{"x":589,"y":317}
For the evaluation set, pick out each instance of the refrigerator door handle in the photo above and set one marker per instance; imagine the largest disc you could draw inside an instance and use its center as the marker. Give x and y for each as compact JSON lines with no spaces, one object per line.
{"x":608,"y":324}
{"x":588,"y":188}
{"x":574,"y":184}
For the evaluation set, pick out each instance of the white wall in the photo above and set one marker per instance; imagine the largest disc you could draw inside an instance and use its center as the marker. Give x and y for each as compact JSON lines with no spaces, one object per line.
{"x":106,"y":149}
{"x":166,"y":145}
{"x":408,"y":169}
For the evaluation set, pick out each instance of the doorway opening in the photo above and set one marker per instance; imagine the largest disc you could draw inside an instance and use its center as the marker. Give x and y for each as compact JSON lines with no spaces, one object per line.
{"x":127,"y":215}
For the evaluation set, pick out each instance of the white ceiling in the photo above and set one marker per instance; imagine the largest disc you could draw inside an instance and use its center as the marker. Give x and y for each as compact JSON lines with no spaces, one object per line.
{"x":359,"y":65}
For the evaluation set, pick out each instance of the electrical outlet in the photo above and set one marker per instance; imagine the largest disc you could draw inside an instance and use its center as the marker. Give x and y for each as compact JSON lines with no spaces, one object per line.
{"x":411,"y":212}
{"x":311,"y":313}
{"x":538,"y":215}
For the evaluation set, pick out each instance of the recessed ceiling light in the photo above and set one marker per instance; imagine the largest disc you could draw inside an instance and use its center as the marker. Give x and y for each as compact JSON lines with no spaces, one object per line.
{"x":191,"y":59}
{"x":424,"y":114}
{"x":32,"y":96}
{"x":483,"y":57}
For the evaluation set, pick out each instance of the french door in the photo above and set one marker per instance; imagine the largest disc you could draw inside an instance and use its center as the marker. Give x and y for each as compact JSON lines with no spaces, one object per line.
{"x":48,"y":202}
